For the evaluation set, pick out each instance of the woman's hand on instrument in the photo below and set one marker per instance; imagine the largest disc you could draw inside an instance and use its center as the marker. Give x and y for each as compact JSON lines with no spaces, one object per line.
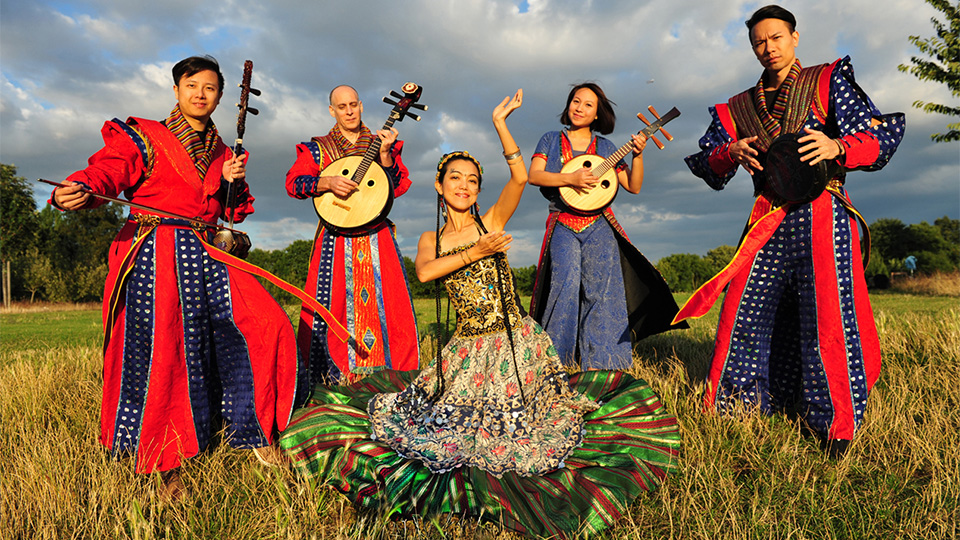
{"x":235,"y":168}
{"x":820,"y":148}
{"x":744,"y":154}
{"x":639,"y":143}
{"x":582,"y":179}
{"x":70,"y":197}
{"x":493,"y":242}
{"x":507,"y":106}
{"x":338,"y":185}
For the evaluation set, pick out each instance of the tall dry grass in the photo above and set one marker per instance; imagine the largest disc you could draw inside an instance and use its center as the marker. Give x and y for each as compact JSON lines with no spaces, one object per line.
{"x":938,"y":284}
{"x":746,"y":476}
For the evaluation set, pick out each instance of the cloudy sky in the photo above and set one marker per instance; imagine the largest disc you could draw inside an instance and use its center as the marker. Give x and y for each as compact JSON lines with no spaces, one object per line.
{"x":67,"y":67}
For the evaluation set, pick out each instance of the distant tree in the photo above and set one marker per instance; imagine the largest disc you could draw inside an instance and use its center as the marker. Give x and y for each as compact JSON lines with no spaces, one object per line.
{"x":935,"y":246}
{"x":37,"y":271}
{"x":293,"y":263}
{"x":88,"y":282}
{"x":944,"y":65}
{"x":18,"y":226}
{"x":81,"y":237}
{"x":949,"y":229}
{"x":888,"y":238}
{"x":290,"y":264}
{"x":719,"y":257}
{"x":18,"y":222}
{"x":877,"y":274}
{"x":524,"y":278}
{"x":933,"y":252}
{"x":684,"y":271}
{"x":417,"y":289}
{"x":78,"y":244}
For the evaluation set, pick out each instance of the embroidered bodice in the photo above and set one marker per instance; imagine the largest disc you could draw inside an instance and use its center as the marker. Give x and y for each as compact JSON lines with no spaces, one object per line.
{"x":475,"y":294}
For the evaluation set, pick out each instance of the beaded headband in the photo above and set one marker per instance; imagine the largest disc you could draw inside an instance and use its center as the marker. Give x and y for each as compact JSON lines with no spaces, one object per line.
{"x":460,"y":154}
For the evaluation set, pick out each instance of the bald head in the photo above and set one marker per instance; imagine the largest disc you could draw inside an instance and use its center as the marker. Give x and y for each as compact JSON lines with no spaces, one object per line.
{"x":346,"y":108}
{"x":345,"y":88}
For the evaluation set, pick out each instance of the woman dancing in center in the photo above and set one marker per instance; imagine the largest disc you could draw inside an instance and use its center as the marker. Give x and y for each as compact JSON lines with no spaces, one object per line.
{"x":493,"y":427}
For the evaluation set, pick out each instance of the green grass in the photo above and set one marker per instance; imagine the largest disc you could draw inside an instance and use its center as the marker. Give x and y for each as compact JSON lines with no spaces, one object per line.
{"x":47,"y":329}
{"x":748,"y":476}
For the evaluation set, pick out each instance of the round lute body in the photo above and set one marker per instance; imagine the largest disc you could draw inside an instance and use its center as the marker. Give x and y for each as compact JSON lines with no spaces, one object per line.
{"x":367,"y":205}
{"x":595,"y":199}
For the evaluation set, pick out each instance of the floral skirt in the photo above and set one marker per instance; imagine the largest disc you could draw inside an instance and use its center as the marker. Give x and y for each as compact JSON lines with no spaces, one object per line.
{"x":500,"y":406}
{"x":627,"y":446}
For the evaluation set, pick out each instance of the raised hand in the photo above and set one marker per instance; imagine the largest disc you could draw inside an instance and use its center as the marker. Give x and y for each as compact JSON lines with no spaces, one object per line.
{"x":582,"y":178}
{"x":639,"y":143}
{"x":507,"y":106}
{"x":338,"y":185}
{"x":820,"y":148}
{"x":70,"y":197}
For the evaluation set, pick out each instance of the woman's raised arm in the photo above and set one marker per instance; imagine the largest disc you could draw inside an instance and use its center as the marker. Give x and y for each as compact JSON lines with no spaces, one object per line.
{"x":499,"y":214}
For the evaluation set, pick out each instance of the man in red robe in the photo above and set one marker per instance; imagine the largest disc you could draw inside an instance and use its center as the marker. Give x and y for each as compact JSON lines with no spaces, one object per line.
{"x":190,"y":342}
{"x":796,"y":330}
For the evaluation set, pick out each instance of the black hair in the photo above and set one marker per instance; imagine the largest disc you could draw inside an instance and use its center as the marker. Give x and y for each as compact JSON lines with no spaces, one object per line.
{"x":196,"y":64}
{"x":606,"y":118}
{"x":772,"y":11}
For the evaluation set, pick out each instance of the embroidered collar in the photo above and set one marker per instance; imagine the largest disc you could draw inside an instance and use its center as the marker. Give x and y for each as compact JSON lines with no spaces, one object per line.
{"x":770,"y":119}
{"x":348,"y":148}
{"x":200,"y":149}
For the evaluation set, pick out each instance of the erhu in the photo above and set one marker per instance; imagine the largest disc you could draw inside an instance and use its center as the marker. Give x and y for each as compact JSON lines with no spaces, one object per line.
{"x":227,"y":239}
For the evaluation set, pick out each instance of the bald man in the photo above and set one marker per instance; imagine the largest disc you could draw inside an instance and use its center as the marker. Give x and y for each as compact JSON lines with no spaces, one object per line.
{"x":360,"y":277}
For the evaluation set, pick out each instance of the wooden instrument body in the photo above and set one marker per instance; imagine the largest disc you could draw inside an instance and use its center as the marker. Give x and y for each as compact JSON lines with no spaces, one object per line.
{"x":595,"y":199}
{"x":368,"y":204}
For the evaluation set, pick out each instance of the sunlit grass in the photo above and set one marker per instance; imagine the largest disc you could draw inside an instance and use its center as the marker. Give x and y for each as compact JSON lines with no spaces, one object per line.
{"x":748,"y":476}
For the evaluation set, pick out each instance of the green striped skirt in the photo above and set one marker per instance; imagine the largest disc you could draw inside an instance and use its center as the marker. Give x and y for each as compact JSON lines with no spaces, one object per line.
{"x":629,"y":446}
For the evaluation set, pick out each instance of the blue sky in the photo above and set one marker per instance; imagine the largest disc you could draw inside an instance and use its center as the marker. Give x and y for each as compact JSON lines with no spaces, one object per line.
{"x":66,"y":67}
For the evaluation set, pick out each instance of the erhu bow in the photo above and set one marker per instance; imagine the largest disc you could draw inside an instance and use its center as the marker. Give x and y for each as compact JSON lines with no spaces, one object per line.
{"x":226,"y":239}
{"x":150,"y":209}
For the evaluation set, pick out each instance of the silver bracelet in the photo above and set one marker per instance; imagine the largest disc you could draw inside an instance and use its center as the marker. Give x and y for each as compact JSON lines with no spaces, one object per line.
{"x":512,"y":156}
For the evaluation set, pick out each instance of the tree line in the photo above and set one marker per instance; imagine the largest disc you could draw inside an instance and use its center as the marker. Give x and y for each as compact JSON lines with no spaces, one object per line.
{"x":59,"y":256}
{"x":935,"y":248}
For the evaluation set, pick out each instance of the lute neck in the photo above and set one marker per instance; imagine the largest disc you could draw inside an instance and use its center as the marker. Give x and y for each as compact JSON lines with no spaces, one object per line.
{"x":372,"y":151}
{"x":612,"y":160}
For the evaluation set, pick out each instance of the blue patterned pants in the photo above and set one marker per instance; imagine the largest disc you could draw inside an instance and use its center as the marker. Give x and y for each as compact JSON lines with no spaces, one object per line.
{"x":586,"y":312}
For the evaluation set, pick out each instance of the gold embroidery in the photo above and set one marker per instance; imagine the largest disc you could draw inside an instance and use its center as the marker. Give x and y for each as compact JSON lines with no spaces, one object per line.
{"x":475,"y":295}
{"x":146,"y":219}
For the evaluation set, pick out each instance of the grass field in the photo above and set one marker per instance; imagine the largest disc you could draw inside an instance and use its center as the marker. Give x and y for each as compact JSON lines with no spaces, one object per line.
{"x":744,"y":477}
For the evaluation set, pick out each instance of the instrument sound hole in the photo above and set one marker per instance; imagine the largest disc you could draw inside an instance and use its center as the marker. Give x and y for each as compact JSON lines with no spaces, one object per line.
{"x":370,"y":183}
{"x":345,"y":173}
{"x":605,"y":184}
{"x":587,"y":164}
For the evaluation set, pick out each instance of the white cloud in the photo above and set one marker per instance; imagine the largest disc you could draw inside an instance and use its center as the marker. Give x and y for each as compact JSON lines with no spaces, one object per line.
{"x":68,"y":68}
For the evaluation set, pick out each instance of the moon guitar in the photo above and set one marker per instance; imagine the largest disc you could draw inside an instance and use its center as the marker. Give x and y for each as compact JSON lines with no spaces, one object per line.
{"x":370,"y":203}
{"x":595,"y":199}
